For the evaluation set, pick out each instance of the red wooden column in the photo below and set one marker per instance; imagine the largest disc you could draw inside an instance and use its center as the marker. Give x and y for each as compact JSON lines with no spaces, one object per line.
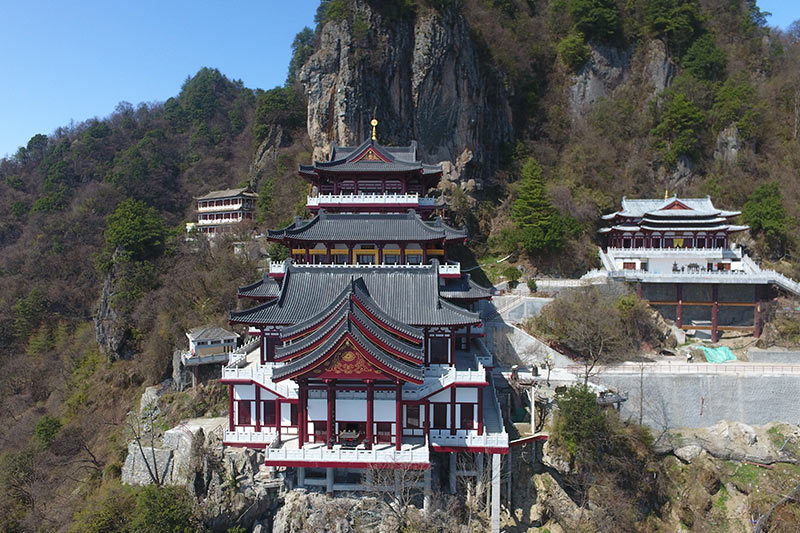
{"x":424,"y":246}
{"x":380,"y":254}
{"x":278,"y":418}
{"x":307,"y":254}
{"x":714,"y":312}
{"x":453,"y":410}
{"x":452,"y":346}
{"x":480,"y":410}
{"x":402,"y":253}
{"x":427,"y":422}
{"x":263,"y":354}
{"x":258,"y":408}
{"x":679,"y":306}
{"x":469,"y":331}
{"x":230,"y":407}
{"x":757,"y":312}
{"x":351,"y":259}
{"x":370,"y":412}
{"x":328,"y":247}
{"x":425,"y":347}
{"x":301,"y":416}
{"x":331,"y":403}
{"x":398,"y":439}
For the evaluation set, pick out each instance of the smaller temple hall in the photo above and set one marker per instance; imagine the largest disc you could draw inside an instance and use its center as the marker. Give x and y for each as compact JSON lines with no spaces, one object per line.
{"x":679,"y":254}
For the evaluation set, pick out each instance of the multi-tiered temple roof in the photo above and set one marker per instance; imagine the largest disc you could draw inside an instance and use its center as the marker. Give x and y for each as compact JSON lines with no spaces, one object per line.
{"x":371,"y":157}
{"x":409,"y":294}
{"x":671,"y":214}
{"x":361,"y":227}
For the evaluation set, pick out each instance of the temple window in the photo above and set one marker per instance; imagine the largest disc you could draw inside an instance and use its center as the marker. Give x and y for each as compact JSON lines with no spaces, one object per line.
{"x":243,"y":413}
{"x":467,"y":416}
{"x":412,"y":416}
{"x":269,"y":412}
{"x":439,"y":415}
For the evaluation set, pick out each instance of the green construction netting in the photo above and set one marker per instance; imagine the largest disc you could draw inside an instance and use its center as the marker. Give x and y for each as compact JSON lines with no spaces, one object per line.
{"x":718,"y":355}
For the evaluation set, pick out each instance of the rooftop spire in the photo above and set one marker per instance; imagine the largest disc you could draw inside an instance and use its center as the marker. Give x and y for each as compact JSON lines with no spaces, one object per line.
{"x":666,"y":194}
{"x":374,"y":123}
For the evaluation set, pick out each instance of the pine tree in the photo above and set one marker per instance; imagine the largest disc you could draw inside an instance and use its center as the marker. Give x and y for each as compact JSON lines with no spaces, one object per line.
{"x":541,"y":227}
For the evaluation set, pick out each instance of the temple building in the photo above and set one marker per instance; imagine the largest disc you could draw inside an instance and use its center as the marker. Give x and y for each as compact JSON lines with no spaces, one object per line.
{"x":220,"y":210}
{"x":679,"y":254}
{"x":366,"y":350}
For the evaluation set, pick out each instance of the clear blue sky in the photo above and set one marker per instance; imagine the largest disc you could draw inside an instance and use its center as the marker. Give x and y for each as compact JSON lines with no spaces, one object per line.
{"x":73,"y":60}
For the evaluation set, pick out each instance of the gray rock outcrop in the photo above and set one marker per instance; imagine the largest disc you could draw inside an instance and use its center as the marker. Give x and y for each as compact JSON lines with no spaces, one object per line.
{"x":659,"y":69}
{"x":266,"y":155}
{"x":232,"y":486}
{"x":111,"y":326}
{"x":420,"y":76}
{"x":729,"y":144}
{"x":607,"y":68}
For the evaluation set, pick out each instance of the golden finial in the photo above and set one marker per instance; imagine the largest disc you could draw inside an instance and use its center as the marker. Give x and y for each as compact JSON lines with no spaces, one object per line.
{"x":666,"y":194}
{"x":374,"y":123}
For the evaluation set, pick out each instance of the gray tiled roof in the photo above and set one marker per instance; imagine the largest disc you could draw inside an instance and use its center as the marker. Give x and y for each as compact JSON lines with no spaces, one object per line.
{"x":368,"y":228}
{"x":637,"y":208}
{"x":227,"y":193}
{"x":400,"y":159}
{"x":408,"y":294}
{"x":347,"y":313}
{"x":410,"y":371}
{"x":464,"y":289}
{"x":211,"y":332}
{"x":264,"y":288}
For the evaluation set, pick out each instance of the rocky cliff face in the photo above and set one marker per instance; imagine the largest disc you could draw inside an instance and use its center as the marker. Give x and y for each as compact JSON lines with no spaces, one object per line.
{"x":419,"y":76}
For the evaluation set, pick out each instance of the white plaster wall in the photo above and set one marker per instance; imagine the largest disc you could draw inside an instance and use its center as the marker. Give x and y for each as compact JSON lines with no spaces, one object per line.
{"x":353,"y":410}
{"x":286,"y":414}
{"x":466,"y":395}
{"x":317,"y":410}
{"x":442,"y":396}
{"x":383,"y":411}
{"x":244,"y":392}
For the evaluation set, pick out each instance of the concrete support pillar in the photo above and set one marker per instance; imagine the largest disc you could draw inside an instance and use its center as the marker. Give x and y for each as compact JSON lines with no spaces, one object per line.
{"x":639,"y":289}
{"x":195,"y":377}
{"x":679,"y":305}
{"x":495,"y":514}
{"x":532,"y":395}
{"x":329,"y":480}
{"x":453,"y":467}
{"x":714,"y":313}
{"x":478,"y":475}
{"x":301,"y":477}
{"x":426,"y":502}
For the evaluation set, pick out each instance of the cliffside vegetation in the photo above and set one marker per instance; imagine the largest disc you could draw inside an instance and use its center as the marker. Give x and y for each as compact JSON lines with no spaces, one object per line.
{"x":607,"y":98}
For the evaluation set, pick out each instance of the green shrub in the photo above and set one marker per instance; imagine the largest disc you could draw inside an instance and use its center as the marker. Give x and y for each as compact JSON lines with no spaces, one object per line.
{"x":679,"y":128}
{"x":736,"y":103}
{"x":46,"y":430}
{"x":705,"y":60}
{"x":573,"y":50}
{"x":765,"y":214}
{"x":167,"y":509}
{"x":512,"y":274}
{"x":580,"y":423}
{"x":531,"y":285}
{"x":596,"y":19}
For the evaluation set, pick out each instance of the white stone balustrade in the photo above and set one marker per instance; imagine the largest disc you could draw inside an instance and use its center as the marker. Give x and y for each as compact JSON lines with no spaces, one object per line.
{"x":471,"y":438}
{"x":250,"y":436}
{"x":417,"y":454}
{"x":388,"y":199}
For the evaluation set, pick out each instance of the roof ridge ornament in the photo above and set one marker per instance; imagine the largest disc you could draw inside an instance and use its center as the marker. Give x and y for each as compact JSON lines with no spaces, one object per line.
{"x":374,"y":124}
